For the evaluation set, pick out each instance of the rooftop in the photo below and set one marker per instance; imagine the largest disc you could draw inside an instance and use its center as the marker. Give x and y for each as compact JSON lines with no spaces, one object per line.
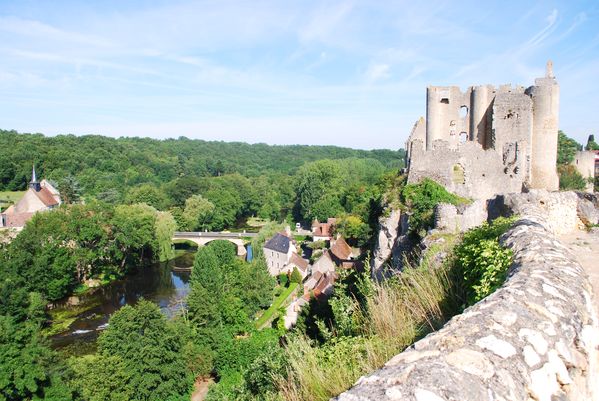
{"x":278,"y":243}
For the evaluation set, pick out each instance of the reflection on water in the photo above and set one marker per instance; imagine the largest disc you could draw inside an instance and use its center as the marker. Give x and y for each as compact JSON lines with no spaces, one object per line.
{"x":165,"y":284}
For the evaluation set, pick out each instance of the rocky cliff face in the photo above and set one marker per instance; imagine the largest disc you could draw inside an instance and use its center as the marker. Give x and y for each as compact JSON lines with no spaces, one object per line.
{"x":389,"y":230}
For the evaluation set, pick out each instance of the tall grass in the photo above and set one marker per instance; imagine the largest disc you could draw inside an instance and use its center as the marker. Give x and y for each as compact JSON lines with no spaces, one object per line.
{"x":395,"y":313}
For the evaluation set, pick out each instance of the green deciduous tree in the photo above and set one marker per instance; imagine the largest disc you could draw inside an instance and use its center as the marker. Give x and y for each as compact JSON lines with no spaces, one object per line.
{"x":566,"y":148}
{"x":197,"y":213}
{"x":165,"y":227}
{"x":134,"y":227}
{"x":569,"y":177}
{"x":70,"y":191}
{"x":139,"y":357}
{"x":318,"y":187}
{"x":28,"y":368}
{"x":356,"y":231}
{"x":148,"y":194}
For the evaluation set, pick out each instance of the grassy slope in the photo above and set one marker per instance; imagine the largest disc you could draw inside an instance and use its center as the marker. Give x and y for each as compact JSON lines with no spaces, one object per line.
{"x":278,"y":302}
{"x":8,"y":198}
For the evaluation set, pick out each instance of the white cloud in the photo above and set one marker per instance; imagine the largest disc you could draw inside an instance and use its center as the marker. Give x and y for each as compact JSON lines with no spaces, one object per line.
{"x":40,"y":30}
{"x":377,"y":72}
{"x":324,"y":22}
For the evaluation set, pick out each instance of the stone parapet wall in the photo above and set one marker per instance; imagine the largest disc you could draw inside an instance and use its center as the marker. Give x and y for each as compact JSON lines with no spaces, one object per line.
{"x":533,"y":339}
{"x":457,"y":219}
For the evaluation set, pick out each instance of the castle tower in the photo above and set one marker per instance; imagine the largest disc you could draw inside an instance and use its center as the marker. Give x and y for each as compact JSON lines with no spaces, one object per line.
{"x":480,"y":126}
{"x":435,"y":111}
{"x":545,"y":98}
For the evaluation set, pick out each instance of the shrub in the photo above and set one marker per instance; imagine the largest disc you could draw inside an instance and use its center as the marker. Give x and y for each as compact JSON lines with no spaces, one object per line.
{"x":482,"y":261}
{"x":283,"y":279}
{"x":570,"y":178}
{"x":317,"y":245}
{"x":421,"y":199}
{"x":296,"y":276}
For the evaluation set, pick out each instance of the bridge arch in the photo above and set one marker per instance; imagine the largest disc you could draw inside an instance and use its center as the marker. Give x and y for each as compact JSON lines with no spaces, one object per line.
{"x":203,"y":238}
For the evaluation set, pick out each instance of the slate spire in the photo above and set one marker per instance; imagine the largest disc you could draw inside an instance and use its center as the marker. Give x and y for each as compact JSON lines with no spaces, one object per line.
{"x":34,"y":184}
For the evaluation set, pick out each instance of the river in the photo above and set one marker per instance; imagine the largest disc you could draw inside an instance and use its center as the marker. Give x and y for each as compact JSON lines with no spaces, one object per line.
{"x":164,"y":284}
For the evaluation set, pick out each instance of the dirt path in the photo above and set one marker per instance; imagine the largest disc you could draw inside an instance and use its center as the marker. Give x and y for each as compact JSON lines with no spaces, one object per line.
{"x":585,"y":245}
{"x":200,"y":388}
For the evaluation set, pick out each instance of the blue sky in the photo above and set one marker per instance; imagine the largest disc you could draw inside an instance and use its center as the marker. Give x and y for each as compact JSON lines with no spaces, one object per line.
{"x":349,"y":73}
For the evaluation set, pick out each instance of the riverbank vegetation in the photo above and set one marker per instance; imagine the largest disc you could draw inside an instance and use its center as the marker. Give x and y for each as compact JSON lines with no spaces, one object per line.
{"x":58,"y":251}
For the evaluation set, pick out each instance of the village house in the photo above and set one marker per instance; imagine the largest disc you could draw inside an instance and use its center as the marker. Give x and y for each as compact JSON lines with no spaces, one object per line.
{"x":300,"y":263}
{"x":39,"y":197}
{"x":281,"y":256}
{"x":323,"y":231}
{"x":342,"y":254}
{"x":277,"y":252}
{"x":324,"y":264}
{"x":322,"y":280}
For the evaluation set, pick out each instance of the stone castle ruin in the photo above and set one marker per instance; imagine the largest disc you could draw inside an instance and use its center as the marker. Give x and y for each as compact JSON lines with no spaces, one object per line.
{"x":488,"y":140}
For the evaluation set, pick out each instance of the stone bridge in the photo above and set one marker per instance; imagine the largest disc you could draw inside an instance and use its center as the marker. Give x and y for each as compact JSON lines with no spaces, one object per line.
{"x":202,"y":238}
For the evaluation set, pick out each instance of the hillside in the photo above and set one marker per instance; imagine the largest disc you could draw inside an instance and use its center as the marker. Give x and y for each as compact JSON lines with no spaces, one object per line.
{"x":100,"y":163}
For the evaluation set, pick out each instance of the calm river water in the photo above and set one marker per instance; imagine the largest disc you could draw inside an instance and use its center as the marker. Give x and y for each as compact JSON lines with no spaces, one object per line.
{"x":163,"y":284}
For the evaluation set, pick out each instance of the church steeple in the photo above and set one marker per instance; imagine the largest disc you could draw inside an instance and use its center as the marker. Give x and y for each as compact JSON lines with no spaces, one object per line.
{"x":34,"y":184}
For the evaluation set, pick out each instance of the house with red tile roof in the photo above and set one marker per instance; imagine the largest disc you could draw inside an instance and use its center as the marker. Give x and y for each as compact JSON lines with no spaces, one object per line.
{"x":300,"y":263}
{"x":343,"y":255}
{"x":40,"y":196}
{"x":323,"y":231}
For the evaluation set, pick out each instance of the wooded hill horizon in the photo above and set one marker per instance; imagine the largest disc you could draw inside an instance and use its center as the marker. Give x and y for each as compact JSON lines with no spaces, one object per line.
{"x":96,"y":159}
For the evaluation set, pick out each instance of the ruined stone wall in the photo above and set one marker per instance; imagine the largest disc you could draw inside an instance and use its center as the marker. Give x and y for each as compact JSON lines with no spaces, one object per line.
{"x":533,"y":339}
{"x":518,"y":124}
{"x":450,"y":218}
{"x":512,"y":130}
{"x":584,"y":161}
{"x":447,"y":115}
{"x":469,"y":171}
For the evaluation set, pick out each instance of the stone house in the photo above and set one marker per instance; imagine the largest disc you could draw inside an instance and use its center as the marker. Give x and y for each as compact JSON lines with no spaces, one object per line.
{"x":277,"y":252}
{"x":319,"y":284}
{"x":324,"y":264}
{"x":342,"y":254}
{"x":39,"y":197}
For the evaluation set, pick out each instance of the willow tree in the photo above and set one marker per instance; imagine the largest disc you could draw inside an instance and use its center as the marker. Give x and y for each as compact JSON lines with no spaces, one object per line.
{"x":165,"y":227}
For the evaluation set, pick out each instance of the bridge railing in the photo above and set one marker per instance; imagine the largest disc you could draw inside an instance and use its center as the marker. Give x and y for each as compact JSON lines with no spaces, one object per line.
{"x":213,"y":234}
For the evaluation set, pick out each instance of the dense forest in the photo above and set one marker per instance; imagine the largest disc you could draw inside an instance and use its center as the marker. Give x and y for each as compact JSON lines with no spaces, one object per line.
{"x":103,"y":164}
{"x":205,"y":185}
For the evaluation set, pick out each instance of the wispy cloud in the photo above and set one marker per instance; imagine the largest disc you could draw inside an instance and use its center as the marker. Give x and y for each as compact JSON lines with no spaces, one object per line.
{"x":377,"y":72}
{"x":40,"y":30}
{"x":238,"y":69}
